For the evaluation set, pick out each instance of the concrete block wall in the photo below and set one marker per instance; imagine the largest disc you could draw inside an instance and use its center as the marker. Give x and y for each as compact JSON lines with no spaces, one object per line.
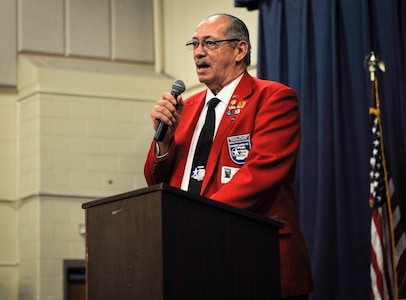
{"x":48,"y":234}
{"x":8,"y":146}
{"x":76,"y":136}
{"x":8,"y":250}
{"x":8,"y":197}
{"x":83,"y":133}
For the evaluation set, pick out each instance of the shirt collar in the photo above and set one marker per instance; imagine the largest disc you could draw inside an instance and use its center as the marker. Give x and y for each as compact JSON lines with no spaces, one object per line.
{"x":226,"y":92}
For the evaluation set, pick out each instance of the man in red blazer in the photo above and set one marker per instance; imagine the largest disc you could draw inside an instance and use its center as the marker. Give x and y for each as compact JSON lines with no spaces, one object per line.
{"x":251,"y":164}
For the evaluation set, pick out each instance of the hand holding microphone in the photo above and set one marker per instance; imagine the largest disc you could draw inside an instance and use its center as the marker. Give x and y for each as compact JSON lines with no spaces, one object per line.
{"x":178,"y":87}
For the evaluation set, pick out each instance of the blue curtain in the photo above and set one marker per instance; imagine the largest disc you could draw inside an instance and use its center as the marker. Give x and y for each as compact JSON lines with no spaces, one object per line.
{"x":318,"y":48}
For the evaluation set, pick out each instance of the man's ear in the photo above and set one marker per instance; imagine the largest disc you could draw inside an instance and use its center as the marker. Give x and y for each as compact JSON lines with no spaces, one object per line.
{"x":242,"y":48}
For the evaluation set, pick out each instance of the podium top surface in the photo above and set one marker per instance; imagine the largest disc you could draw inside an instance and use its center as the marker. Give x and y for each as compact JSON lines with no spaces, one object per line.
{"x":162,"y":187}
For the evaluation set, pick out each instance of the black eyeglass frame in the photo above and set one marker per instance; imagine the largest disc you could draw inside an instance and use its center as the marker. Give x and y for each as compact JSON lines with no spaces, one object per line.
{"x":208,"y":44}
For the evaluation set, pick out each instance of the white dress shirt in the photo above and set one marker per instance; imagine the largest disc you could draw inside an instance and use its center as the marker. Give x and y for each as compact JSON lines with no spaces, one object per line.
{"x":224,"y":95}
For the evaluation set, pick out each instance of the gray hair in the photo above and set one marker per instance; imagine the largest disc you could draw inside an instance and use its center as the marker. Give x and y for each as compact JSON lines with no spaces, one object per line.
{"x":238,"y":30}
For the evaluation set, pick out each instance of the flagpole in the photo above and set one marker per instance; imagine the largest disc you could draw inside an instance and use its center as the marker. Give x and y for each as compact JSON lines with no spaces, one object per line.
{"x":374,"y":62}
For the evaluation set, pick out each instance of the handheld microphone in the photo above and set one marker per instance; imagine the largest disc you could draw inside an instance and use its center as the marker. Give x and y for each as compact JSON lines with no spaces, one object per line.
{"x":178,"y":87}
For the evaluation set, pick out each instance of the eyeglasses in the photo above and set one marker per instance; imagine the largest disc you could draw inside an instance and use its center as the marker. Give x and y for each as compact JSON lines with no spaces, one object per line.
{"x":208,"y":44}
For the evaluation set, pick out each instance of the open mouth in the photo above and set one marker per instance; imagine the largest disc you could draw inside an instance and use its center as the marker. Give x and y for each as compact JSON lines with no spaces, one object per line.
{"x":201,"y":66}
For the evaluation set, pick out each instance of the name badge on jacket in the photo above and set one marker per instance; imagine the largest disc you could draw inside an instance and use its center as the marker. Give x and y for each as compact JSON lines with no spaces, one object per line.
{"x":239,"y":146}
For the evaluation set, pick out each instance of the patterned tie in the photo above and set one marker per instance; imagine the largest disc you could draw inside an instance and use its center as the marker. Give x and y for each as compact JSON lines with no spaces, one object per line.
{"x":203,"y":149}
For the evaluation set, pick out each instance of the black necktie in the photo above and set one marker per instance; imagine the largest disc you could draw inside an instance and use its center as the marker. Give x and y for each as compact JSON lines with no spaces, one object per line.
{"x":203,"y":148}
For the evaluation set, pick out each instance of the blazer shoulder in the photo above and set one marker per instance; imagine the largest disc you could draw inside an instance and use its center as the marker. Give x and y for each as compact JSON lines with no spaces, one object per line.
{"x":251,"y":85}
{"x":274,"y":85}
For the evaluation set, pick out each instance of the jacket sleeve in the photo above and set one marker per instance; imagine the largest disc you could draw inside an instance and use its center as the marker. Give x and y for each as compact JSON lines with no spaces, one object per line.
{"x":157,"y":171}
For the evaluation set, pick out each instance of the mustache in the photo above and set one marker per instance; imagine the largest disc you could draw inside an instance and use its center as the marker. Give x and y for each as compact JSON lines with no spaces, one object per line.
{"x":201,"y":63}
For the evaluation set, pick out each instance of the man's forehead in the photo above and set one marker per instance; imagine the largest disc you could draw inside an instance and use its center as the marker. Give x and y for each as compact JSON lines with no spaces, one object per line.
{"x":210,"y":19}
{"x":210,"y":27}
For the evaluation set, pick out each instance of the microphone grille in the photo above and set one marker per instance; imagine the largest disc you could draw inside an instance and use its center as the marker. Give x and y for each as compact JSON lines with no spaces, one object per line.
{"x":178,"y":86}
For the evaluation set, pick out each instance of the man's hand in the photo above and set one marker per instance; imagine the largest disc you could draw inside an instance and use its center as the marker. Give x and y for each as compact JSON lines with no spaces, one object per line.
{"x":169,"y":111}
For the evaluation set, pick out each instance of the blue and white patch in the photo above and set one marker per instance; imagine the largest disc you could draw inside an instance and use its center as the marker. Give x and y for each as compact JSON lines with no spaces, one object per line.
{"x":239,"y":146}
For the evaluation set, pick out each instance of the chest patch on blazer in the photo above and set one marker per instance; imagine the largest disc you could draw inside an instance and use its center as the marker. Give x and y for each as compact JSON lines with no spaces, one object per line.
{"x":239,"y":146}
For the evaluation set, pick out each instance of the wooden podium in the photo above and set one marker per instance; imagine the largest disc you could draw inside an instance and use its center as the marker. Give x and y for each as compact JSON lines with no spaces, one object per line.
{"x":164,"y":243}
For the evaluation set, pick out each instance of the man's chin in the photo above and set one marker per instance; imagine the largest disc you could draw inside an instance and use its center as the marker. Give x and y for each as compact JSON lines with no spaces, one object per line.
{"x":202,"y":78}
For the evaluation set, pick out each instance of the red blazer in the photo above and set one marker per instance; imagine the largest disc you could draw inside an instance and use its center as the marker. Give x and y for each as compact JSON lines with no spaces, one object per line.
{"x":264,"y":122}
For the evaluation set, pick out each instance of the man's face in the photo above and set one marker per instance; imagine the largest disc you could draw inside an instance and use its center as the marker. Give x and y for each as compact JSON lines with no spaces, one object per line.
{"x":215,"y":67}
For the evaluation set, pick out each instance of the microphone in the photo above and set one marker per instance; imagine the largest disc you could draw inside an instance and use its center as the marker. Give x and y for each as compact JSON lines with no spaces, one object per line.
{"x":178,"y":87}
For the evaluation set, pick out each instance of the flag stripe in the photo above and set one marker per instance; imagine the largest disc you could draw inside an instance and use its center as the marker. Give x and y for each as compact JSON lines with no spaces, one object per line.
{"x":377,"y":259}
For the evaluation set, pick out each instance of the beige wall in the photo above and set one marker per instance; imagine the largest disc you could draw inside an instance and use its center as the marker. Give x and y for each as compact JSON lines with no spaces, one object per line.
{"x":77,"y":129}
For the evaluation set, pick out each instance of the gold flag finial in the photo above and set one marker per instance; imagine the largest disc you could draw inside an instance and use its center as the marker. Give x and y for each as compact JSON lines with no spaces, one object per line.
{"x":372,"y":61}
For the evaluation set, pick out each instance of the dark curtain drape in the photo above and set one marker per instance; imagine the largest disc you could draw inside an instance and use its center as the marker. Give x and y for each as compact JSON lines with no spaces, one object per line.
{"x":318,"y":48}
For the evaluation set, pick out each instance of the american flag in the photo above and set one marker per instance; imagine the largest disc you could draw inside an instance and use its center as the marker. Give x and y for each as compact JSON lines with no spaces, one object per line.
{"x":388,"y":240}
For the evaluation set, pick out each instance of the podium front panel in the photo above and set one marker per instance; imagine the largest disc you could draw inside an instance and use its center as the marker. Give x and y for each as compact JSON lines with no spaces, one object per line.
{"x":124,"y":249}
{"x":217,"y":254}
